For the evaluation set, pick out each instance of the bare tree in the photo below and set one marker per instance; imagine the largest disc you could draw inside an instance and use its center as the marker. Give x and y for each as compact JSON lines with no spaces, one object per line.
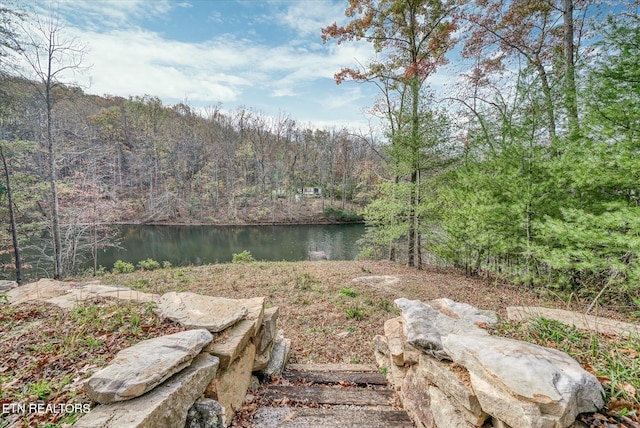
{"x":51,"y":56}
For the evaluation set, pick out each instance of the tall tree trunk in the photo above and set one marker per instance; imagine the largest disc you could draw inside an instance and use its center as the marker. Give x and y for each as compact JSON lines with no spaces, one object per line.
{"x":548,"y":97}
{"x":12,"y":218}
{"x":571,"y":100}
{"x":58,"y":272}
{"x":415,"y":163}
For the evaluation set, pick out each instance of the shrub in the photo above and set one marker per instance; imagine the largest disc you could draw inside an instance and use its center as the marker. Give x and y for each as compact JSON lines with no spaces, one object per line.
{"x":148,"y":264}
{"x":122,"y":267}
{"x":166,"y":264}
{"x":243,"y":257}
{"x":346,"y":216}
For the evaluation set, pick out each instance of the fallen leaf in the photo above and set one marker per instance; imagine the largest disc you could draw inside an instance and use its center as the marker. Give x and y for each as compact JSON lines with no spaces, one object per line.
{"x":632,"y":353}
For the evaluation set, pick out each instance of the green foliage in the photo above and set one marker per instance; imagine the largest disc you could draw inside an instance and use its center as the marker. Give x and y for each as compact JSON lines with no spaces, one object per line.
{"x":355,"y":313}
{"x":123,"y":267}
{"x":243,"y":257}
{"x":348,"y":292}
{"x":342,"y":215}
{"x":42,"y":389}
{"x":148,"y":264}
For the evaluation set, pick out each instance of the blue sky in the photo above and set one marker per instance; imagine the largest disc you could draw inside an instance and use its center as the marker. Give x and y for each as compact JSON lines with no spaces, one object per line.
{"x":264,"y":55}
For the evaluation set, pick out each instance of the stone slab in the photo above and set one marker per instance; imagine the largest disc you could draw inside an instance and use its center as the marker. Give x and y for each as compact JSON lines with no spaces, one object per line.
{"x":230,"y":387}
{"x":198,"y":311}
{"x":141,"y":367}
{"x":269,"y":328}
{"x":165,"y":406}
{"x":581,"y":321}
{"x":7,"y":285}
{"x":279,"y":355}
{"x":428,"y":322}
{"x":394,"y":332}
{"x":78,"y":295}
{"x":39,"y":291}
{"x":234,"y":339}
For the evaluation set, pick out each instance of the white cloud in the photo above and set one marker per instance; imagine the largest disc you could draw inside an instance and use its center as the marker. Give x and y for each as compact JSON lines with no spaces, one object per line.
{"x":309,"y":17}
{"x":295,"y":76}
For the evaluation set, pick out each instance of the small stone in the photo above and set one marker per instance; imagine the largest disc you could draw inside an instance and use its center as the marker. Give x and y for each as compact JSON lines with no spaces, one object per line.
{"x":205,"y":413}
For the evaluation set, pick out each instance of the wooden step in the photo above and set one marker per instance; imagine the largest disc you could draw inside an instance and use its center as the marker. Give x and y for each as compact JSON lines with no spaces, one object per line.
{"x":358,"y":378}
{"x":332,"y":367}
{"x":329,"y":395}
{"x":274,"y":417}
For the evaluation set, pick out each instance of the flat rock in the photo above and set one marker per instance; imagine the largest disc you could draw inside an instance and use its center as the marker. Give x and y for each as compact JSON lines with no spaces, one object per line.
{"x":279,"y":355}
{"x":394,"y":332}
{"x":269,"y":328}
{"x":234,"y":339}
{"x":80,"y":294}
{"x":521,"y":383}
{"x":165,"y":406}
{"x":427,"y":323}
{"x":581,"y":321}
{"x":69,"y":294}
{"x":377,"y":281}
{"x":140,"y":368}
{"x":230,"y":386}
{"x":7,"y":285}
{"x":198,"y":311}
{"x":39,"y":291}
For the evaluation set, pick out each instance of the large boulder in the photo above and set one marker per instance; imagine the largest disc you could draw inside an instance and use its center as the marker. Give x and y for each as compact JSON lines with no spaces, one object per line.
{"x":426,"y":324}
{"x":142,"y":367}
{"x":198,"y":311}
{"x":523,"y":384}
{"x":165,"y":406}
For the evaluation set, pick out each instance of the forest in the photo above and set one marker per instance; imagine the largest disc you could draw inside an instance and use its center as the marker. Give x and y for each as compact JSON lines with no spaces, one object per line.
{"x":526,"y":169}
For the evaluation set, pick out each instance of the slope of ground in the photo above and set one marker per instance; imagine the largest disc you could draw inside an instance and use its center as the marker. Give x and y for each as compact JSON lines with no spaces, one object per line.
{"x":46,"y":352}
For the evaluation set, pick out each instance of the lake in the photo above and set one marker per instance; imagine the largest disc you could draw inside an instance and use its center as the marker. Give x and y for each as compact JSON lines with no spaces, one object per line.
{"x":197,"y":245}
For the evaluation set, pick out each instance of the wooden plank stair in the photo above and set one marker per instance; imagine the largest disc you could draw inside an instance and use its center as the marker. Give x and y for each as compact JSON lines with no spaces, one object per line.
{"x":327,"y":395}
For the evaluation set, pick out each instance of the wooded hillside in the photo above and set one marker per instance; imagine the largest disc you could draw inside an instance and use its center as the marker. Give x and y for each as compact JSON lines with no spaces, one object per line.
{"x":525,"y":170}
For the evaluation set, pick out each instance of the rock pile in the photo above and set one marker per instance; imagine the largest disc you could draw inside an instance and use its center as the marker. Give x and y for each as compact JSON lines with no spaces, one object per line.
{"x":450,"y":372}
{"x":195,"y":378}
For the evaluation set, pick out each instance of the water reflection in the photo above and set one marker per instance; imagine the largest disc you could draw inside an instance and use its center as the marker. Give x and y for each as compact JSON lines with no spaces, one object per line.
{"x":186,"y":245}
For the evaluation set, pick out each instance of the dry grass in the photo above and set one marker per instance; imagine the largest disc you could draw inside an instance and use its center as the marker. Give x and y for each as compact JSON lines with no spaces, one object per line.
{"x":329,"y":317}
{"x":319,"y":301}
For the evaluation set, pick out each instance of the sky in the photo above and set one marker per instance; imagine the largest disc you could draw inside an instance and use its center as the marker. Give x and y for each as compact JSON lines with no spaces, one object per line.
{"x":267,"y":56}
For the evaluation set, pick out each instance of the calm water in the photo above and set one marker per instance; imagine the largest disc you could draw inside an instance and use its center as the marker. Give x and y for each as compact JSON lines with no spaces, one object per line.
{"x":186,"y":245}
